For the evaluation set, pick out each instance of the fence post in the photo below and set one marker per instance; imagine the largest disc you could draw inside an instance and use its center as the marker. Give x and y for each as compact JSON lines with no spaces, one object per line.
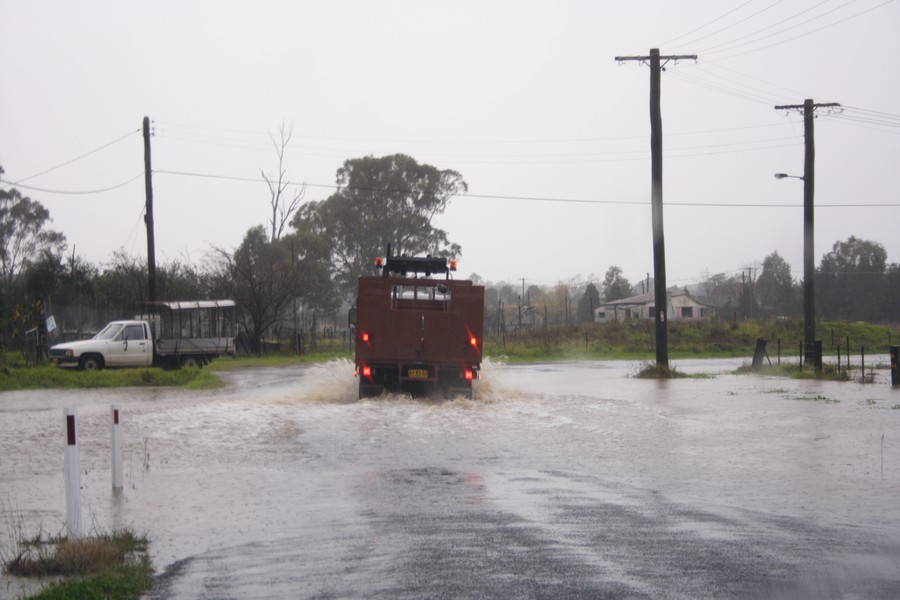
{"x":862,"y":363}
{"x":73,"y":477}
{"x":758,"y":354}
{"x":895,"y":366}
{"x":116,"y":448}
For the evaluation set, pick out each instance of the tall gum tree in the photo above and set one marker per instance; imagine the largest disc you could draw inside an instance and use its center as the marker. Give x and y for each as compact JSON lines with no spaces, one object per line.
{"x":23,"y":233}
{"x":381,"y":201}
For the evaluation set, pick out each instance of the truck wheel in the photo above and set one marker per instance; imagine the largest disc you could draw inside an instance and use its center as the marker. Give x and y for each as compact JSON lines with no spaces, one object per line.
{"x":191,"y":361}
{"x":91,"y":362}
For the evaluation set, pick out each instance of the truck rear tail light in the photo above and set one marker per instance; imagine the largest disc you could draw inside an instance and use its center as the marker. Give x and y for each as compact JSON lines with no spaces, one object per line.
{"x":473,"y":341}
{"x":364,"y":337}
{"x":367,"y":371}
{"x":469,"y":374}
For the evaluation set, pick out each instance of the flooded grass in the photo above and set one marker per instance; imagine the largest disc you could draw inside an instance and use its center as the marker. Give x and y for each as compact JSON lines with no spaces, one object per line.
{"x":48,"y":376}
{"x":650,"y":370}
{"x":795,"y":371}
{"x":104,"y":565}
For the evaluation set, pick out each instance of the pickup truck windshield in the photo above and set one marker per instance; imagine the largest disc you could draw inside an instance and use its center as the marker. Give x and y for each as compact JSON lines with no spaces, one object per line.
{"x":108,"y":332}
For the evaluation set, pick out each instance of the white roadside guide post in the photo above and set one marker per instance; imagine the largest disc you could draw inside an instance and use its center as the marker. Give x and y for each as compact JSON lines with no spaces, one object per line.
{"x":116,"y":448}
{"x":73,"y":478}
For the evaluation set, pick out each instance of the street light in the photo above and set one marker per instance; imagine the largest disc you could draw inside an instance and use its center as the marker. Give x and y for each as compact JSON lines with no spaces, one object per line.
{"x":784,"y":175}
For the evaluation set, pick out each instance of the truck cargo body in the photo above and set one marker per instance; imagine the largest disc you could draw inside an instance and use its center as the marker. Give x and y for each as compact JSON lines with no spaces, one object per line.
{"x":418,"y":335}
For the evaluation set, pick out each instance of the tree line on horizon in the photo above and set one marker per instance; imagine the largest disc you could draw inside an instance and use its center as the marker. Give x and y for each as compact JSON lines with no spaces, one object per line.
{"x":853,"y":282}
{"x":299,"y":270}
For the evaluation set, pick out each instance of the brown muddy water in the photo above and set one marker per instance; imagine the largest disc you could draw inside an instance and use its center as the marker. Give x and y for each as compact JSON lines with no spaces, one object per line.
{"x":555,"y":481}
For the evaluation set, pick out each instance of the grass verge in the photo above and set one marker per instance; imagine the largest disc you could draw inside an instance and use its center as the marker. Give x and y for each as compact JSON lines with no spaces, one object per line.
{"x":48,"y":376}
{"x":15,"y":374}
{"x":112,"y":566}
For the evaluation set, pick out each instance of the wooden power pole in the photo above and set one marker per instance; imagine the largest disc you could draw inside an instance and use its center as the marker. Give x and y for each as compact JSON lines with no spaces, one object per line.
{"x":808,"y":109}
{"x":148,"y":216}
{"x":656,"y":63}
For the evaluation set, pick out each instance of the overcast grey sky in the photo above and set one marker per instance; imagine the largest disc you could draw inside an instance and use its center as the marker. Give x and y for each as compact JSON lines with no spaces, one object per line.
{"x":524,"y":98}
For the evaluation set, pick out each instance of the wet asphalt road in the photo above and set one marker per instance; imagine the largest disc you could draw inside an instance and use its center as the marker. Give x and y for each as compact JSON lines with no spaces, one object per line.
{"x":556,"y":481}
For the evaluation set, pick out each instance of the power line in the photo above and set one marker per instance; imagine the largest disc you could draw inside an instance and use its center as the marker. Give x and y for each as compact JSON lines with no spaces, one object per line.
{"x":731,"y":44}
{"x":873,"y":112}
{"x":716,"y":87}
{"x":68,"y":162}
{"x":71,"y":192}
{"x":550,"y":158}
{"x":537,"y":198}
{"x":853,"y":16}
{"x":174,"y":135}
{"x":707,"y":24}
{"x":747,"y":18}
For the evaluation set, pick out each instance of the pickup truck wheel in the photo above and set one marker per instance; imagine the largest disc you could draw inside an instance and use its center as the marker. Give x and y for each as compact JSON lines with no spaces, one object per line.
{"x":91,"y":362}
{"x":191,"y":361}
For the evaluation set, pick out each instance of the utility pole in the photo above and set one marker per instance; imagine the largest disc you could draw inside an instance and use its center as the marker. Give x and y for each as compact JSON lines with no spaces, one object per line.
{"x":148,"y":216}
{"x":750,"y":291}
{"x":657,"y":63}
{"x":809,"y":181}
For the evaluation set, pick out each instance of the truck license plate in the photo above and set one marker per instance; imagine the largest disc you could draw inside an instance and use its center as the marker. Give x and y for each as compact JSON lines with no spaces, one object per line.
{"x":418,"y":374}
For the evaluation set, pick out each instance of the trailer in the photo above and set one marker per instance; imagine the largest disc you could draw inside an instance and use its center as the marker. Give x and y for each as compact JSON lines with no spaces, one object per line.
{"x":417,"y":330}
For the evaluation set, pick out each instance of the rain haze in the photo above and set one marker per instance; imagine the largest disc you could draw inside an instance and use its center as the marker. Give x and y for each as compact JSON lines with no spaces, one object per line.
{"x":524,"y":99}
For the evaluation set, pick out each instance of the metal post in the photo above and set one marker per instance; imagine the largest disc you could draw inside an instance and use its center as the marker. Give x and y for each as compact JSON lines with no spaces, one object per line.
{"x":116,"y":448}
{"x":74,"y":525}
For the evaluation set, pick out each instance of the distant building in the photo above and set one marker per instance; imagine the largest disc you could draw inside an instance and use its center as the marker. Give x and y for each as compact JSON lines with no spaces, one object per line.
{"x":681,"y":307}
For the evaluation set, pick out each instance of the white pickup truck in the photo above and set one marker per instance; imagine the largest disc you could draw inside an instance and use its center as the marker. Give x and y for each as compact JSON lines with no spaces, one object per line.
{"x":190,"y":334}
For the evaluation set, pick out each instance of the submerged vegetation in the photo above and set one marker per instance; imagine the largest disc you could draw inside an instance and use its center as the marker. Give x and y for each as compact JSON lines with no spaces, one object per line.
{"x":636,"y":340}
{"x":112,"y":566}
{"x":649,"y":370}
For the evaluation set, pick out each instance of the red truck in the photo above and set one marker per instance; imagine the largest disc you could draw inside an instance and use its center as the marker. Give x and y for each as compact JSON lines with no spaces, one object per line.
{"x":417,"y":330}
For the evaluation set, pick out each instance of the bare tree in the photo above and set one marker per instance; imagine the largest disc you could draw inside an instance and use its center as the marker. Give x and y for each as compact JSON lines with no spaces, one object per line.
{"x":282,"y":202}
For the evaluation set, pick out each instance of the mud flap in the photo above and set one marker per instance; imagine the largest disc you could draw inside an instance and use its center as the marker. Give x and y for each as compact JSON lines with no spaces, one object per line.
{"x":369,"y":390}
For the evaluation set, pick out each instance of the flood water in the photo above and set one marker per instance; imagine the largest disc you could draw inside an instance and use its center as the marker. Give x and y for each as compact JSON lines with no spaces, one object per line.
{"x":555,"y":481}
